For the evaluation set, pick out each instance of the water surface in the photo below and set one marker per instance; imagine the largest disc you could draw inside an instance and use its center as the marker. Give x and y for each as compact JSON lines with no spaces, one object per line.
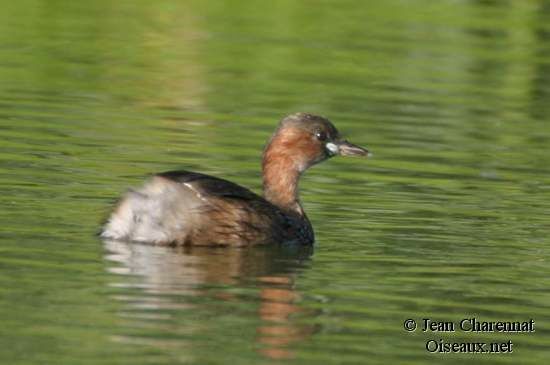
{"x":449,"y":220}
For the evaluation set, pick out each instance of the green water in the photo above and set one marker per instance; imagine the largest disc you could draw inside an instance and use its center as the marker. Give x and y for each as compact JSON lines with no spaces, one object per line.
{"x":449,"y":220}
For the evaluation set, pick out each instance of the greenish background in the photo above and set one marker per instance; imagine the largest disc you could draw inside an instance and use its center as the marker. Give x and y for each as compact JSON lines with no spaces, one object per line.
{"x":449,"y":220}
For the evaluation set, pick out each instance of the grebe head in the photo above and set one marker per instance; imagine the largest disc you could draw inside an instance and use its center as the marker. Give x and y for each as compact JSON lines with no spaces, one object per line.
{"x":300,"y":141}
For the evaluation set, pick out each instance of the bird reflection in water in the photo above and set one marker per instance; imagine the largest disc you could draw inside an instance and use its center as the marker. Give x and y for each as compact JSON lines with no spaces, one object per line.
{"x":162,"y":274}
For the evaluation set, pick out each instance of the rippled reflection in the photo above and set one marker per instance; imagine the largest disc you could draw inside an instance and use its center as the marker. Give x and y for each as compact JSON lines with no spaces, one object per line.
{"x":172,"y":280}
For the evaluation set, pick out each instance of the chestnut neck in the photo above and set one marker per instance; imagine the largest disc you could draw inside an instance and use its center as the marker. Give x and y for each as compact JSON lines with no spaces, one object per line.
{"x":281,"y":174}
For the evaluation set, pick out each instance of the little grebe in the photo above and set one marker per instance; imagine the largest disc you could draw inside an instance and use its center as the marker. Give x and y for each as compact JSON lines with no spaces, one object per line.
{"x":188,"y":208}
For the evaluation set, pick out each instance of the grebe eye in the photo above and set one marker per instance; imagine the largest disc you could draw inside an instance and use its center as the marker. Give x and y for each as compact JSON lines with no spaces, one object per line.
{"x":321,"y":136}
